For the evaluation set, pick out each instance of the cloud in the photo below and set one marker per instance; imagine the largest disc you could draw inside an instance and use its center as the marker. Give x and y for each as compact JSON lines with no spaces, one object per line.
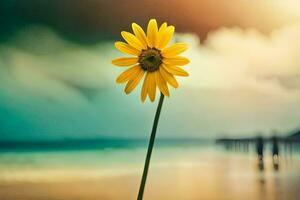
{"x":241,"y":80}
{"x":40,"y":62}
{"x":234,"y":58}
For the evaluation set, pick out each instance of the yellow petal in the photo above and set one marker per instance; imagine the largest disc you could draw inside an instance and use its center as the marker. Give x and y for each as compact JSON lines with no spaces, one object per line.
{"x":178,"y":60}
{"x":168,"y":77}
{"x":151,"y":86}
{"x":161,"y":31}
{"x":134,"y":82}
{"x":145,"y":88}
{"x":128,"y":74}
{"x":161,"y":83}
{"x":126,"y":48}
{"x":165,"y":36}
{"x":174,"y":50}
{"x":162,"y":28}
{"x":140,"y":34}
{"x":132,"y":40}
{"x":152,"y":33}
{"x":125,"y":61}
{"x":175,"y":70}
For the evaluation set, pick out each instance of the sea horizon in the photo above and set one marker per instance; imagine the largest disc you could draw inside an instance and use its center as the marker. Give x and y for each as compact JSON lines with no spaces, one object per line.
{"x":95,"y":143}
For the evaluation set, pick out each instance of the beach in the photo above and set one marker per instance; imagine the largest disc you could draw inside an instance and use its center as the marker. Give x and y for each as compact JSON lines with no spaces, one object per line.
{"x":177,"y":173}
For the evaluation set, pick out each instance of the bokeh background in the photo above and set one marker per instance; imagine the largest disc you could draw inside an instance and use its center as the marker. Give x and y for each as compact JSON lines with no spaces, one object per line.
{"x":57,"y":84}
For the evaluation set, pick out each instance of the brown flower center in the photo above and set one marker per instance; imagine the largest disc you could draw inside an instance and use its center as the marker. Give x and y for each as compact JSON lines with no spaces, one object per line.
{"x":150,"y":59}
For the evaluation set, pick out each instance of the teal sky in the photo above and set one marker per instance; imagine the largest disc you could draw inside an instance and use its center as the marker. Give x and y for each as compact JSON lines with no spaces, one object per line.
{"x":58,"y":82}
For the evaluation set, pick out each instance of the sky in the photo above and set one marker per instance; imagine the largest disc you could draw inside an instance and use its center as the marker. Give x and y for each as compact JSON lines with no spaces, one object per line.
{"x":57,"y":81}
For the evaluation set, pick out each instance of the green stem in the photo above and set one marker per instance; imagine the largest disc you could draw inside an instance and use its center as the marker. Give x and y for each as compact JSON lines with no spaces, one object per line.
{"x":150,"y":147}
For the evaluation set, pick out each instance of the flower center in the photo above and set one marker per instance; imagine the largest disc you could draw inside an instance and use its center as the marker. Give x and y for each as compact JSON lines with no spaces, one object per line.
{"x":150,"y":59}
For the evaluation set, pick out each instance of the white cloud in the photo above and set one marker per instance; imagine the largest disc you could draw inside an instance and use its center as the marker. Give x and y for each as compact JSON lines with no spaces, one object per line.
{"x":40,"y":62}
{"x":240,"y":80}
{"x":233,"y":58}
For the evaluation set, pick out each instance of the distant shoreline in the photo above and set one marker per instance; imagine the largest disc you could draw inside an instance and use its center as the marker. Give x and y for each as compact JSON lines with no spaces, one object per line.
{"x":99,"y":143}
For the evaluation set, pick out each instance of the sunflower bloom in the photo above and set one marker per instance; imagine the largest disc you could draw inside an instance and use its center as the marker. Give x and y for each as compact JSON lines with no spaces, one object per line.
{"x":150,"y":59}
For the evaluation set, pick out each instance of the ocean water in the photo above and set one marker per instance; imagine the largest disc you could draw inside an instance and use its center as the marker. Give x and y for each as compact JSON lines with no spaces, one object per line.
{"x":47,"y":162}
{"x":40,"y":162}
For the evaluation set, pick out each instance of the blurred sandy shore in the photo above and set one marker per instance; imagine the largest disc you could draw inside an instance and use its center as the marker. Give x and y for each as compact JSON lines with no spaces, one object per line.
{"x":180,"y":183}
{"x":105,"y":189}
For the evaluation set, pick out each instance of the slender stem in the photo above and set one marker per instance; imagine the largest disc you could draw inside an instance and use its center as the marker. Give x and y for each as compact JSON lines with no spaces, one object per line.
{"x":150,"y":147}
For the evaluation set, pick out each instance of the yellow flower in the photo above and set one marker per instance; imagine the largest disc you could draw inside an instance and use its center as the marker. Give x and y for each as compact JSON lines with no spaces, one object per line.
{"x":151,"y":58}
